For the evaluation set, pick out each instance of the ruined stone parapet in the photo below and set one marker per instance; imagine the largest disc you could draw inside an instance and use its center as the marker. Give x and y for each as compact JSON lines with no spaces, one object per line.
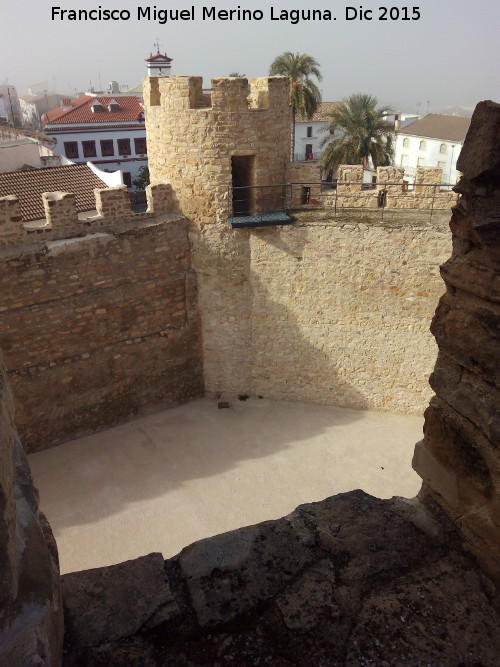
{"x":305,"y":179}
{"x":62,"y":220}
{"x":427,"y":181}
{"x":11,"y":226}
{"x":352,"y":580}
{"x":113,"y":203}
{"x":160,"y":199}
{"x":390,"y":179}
{"x":349,"y":179}
{"x":391,"y":191}
{"x":60,"y":212}
{"x":193,"y":138}
{"x":459,"y":458}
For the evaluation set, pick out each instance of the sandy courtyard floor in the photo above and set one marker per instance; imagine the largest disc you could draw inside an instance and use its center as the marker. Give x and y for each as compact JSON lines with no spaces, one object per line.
{"x":162,"y":481}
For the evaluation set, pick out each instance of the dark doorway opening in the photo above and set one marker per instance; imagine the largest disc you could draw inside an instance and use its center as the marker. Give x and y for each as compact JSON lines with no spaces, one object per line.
{"x":242,"y":168}
{"x":305,"y":196}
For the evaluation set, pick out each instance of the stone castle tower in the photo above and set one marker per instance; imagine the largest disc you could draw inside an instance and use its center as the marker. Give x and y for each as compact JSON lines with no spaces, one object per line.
{"x":202,"y":143}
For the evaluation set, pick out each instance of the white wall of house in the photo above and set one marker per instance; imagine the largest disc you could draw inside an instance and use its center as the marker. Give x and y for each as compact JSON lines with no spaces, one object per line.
{"x":130,"y":163}
{"x":413,"y":151}
{"x":112,"y":179}
{"x":15,"y":154}
{"x":302,"y":139}
{"x":30,"y":114}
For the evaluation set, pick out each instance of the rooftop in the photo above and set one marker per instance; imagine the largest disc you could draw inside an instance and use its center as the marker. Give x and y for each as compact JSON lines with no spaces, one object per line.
{"x":28,"y":186}
{"x":129,"y":108}
{"x":439,"y":126}
{"x":158,"y":58}
{"x":322,"y":114}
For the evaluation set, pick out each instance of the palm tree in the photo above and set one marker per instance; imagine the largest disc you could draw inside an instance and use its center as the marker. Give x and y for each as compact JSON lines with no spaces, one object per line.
{"x":237,"y":75}
{"x":305,"y":96}
{"x":358,"y":133}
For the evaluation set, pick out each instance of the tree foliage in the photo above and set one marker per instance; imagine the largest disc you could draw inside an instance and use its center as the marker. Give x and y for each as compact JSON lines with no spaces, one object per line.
{"x":141,"y":181}
{"x":358,"y":134}
{"x":305,"y":96}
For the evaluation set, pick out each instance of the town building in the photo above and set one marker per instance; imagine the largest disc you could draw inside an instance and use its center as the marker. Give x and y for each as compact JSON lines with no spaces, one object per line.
{"x":35,"y":104}
{"x":159,"y":64}
{"x":433,"y":141}
{"x":400,"y":119}
{"x":310,"y":132}
{"x":10,"y":108}
{"x":27,"y":149}
{"x":105,"y":130}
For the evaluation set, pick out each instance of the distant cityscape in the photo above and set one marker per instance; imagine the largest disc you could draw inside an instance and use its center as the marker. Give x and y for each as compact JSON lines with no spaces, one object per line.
{"x":105,"y":130}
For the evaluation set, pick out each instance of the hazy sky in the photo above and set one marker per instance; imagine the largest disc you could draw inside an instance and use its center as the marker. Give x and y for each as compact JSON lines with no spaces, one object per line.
{"x":450,"y":56}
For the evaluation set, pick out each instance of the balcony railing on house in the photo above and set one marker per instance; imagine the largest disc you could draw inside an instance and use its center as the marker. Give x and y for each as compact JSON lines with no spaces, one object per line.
{"x":301,"y":157}
{"x":259,"y":205}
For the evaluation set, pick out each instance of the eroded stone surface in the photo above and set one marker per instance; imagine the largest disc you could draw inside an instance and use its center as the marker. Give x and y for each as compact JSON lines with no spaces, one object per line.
{"x":352,"y":580}
{"x":30,"y":598}
{"x":459,"y":457}
{"x":109,"y":604}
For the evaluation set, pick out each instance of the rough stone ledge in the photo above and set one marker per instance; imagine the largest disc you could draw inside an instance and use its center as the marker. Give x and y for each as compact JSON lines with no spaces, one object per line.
{"x":352,"y":580}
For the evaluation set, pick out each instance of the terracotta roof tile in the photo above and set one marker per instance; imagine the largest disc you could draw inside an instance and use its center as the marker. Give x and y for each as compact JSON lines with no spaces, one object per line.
{"x":29,"y":185}
{"x":439,"y":126}
{"x":129,"y":108}
{"x":322,"y":114}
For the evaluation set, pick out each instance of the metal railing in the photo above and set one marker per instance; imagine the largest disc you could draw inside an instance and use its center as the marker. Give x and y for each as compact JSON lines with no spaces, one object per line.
{"x":301,"y":157}
{"x":266,"y":202}
{"x":343,"y":196}
{"x":258,"y":201}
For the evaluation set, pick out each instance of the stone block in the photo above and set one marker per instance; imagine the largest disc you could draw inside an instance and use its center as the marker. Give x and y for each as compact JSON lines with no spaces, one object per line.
{"x":60,"y":210}
{"x":30,"y":600}
{"x":11,"y":225}
{"x":441,"y":478}
{"x":467,"y":331}
{"x":113,"y":203}
{"x":107,"y":604}
{"x":481,"y":149}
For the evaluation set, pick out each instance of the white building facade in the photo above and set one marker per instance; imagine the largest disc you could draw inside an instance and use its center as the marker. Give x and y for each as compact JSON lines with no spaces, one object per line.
{"x":310,"y":133}
{"x":434,"y":141}
{"x":106,"y":131}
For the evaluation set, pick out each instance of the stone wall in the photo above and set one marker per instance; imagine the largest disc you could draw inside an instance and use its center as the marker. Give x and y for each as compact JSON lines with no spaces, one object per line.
{"x":426,"y":195}
{"x":305,"y":180}
{"x":459,"y":458}
{"x":62,"y":221}
{"x":321,"y":311}
{"x":99,"y":326}
{"x":318,"y":311}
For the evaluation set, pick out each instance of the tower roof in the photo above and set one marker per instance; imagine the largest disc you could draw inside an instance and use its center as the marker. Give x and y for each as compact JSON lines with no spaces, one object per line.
{"x":158,"y":58}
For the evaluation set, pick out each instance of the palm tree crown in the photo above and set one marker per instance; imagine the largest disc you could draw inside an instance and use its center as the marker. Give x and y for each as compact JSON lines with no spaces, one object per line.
{"x":358,"y":132}
{"x":305,"y":96}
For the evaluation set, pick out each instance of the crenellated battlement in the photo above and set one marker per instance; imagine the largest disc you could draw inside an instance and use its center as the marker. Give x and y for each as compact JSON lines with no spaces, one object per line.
{"x":227,"y":94}
{"x":391,"y":190}
{"x":195,"y":139}
{"x":62,"y":221}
